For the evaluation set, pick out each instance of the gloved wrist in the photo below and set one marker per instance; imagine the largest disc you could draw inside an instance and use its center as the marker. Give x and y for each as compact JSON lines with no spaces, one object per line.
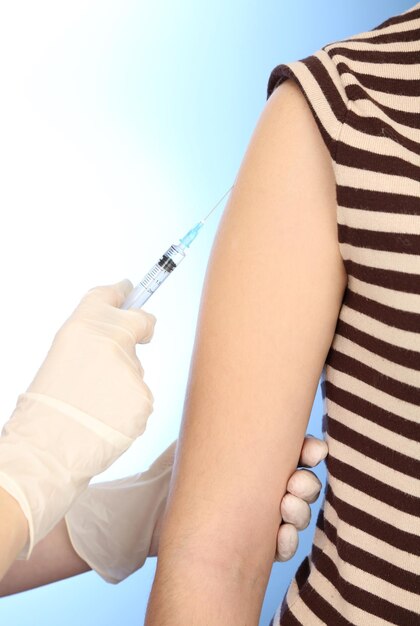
{"x":112,"y":524}
{"x":42,"y":469}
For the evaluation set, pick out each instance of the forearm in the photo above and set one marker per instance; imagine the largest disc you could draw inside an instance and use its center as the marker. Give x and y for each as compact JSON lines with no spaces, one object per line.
{"x":202,"y":594}
{"x":13,"y":531}
{"x":52,"y":559}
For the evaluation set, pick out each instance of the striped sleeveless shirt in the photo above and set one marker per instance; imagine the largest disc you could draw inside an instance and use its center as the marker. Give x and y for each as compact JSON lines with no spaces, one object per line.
{"x":364,"y":566}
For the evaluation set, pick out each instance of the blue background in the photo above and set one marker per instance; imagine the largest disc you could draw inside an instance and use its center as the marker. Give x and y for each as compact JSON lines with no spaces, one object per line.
{"x":124,"y":123}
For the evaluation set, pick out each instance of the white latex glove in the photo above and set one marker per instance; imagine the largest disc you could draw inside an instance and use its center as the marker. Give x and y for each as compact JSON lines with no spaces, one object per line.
{"x":114,"y":526}
{"x":86,"y":405}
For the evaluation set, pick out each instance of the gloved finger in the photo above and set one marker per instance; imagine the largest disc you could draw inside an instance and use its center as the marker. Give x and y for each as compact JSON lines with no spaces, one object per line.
{"x":313,"y":451}
{"x":304,"y":484}
{"x":125,"y":326}
{"x":140,"y":322}
{"x":295,"y":511}
{"x":111,"y":294}
{"x":287,"y":542}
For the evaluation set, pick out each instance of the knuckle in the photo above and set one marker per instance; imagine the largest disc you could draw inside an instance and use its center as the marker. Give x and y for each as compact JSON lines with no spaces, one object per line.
{"x":140,"y":323}
{"x":147,"y":395}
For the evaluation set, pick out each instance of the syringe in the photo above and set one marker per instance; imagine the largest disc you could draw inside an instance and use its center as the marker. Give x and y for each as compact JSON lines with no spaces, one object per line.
{"x":166,"y":264}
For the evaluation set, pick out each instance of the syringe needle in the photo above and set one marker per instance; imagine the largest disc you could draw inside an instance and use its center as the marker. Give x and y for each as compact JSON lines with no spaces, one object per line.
{"x":215,"y":207}
{"x":166,"y":264}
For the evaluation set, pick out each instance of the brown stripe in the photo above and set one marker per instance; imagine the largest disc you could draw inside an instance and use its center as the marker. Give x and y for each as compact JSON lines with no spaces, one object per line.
{"x":400,"y":539}
{"x":287,"y":618}
{"x":324,"y":610}
{"x":323,"y":78}
{"x":356,"y":198}
{"x":396,"y":498}
{"x":405,"y":35}
{"x":411,"y":57}
{"x":396,"y":354}
{"x":338,"y":106}
{"x":368,"y":410}
{"x":376,"y":240}
{"x":399,"y":19}
{"x":390,"y":279}
{"x":396,"y":86}
{"x":277,"y":80}
{"x":374,"y":162}
{"x":369,"y":375}
{"x":373,"y":450}
{"x":405,"y":118}
{"x":302,"y":573}
{"x":361,"y":598}
{"x":378,"y":128}
{"x":372,"y":564}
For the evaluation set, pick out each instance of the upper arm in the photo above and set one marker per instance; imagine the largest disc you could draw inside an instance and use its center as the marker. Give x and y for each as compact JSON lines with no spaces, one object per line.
{"x":269,"y":307}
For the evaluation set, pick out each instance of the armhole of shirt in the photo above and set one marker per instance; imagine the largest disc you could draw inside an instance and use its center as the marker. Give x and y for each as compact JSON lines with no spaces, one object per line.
{"x":322,"y":85}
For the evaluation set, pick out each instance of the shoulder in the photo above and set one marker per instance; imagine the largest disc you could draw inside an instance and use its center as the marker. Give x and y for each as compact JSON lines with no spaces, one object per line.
{"x":289,"y":116}
{"x":287,"y":155}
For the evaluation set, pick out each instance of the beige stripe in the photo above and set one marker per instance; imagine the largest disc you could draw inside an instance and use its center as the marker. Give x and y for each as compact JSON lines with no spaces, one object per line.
{"x":333,"y":73}
{"x":292,"y":592}
{"x":384,"y":474}
{"x":355,"y":615}
{"x":391,"y":334}
{"x":304,"y":614}
{"x":397,"y":102}
{"x":379,"y":221}
{"x":367,"y":108}
{"x":378,"y":363}
{"x":374,"y":507}
{"x":402,"y":27}
{"x":383,"y":400}
{"x":365,"y":581}
{"x":371,"y":544}
{"x":318,"y":98}
{"x":414,"y":7}
{"x":368,"y":428}
{"x":366,"y":179}
{"x":382,"y":259}
{"x":378,"y":145}
{"x":408,"y":72}
{"x":409,"y":46}
{"x":399,"y":300}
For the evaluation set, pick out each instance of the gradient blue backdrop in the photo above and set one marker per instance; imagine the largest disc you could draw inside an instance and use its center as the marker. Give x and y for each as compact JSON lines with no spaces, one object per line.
{"x":155,"y":103}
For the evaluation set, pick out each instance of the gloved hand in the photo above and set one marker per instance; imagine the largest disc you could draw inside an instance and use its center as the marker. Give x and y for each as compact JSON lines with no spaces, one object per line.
{"x":86,"y":405}
{"x":114,"y":526}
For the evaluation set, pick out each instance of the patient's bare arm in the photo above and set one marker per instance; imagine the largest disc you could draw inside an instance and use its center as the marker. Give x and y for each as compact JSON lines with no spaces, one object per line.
{"x":262,"y":339}
{"x":54,"y":558}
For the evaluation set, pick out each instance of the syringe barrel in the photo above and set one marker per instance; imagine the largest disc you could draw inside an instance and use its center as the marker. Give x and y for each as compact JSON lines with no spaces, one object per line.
{"x":154,"y":277}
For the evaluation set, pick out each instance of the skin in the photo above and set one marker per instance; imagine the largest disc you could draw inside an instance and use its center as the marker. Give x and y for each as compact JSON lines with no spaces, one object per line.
{"x":295,"y":224}
{"x":263,"y":336}
{"x":54,"y":558}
